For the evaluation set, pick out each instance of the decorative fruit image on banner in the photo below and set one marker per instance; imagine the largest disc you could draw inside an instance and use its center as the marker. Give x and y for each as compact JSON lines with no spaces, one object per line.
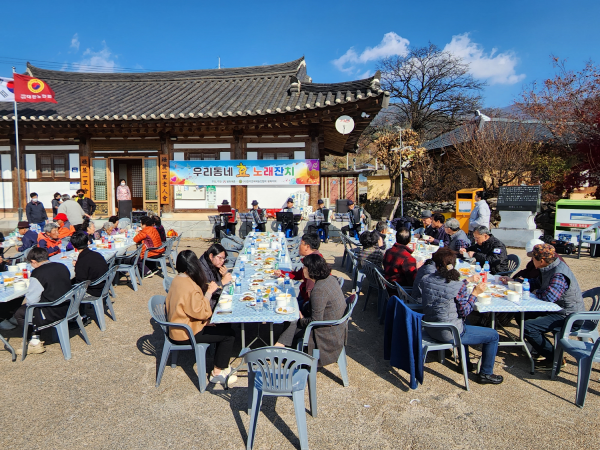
{"x":244,"y":172}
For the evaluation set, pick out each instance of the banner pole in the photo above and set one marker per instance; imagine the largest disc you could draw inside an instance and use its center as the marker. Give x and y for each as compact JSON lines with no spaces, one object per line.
{"x":19,"y":208}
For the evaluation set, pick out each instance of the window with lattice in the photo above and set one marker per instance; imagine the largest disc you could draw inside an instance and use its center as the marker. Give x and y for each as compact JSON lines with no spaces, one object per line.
{"x":53,"y":166}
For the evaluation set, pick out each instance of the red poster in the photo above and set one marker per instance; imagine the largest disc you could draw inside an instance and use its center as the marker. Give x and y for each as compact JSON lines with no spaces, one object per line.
{"x":32,"y":90}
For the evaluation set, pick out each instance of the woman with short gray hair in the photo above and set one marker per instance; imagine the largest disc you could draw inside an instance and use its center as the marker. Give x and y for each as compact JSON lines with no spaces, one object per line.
{"x":49,"y":239}
{"x":458,"y":238}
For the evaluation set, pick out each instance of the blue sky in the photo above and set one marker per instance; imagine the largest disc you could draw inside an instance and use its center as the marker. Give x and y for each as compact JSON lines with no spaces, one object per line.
{"x":507,"y":43}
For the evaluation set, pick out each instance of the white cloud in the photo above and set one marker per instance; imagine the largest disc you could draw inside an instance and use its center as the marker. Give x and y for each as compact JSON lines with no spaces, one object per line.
{"x":390,"y":45}
{"x":75,"y":42}
{"x":497,"y":68}
{"x":101,"y":61}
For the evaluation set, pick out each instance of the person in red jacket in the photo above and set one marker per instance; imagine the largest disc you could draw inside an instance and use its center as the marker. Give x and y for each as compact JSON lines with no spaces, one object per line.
{"x":308,"y":245}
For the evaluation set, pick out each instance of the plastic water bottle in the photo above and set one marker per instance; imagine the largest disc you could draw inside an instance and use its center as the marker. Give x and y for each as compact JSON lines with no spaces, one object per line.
{"x":287,"y":283}
{"x":477,"y":269}
{"x":253,"y":225}
{"x":242,"y":270}
{"x":525,"y":295}
{"x":232,"y":285}
{"x":238,"y":285}
{"x":441,"y":244}
{"x":1,"y":284}
{"x":279,"y":228}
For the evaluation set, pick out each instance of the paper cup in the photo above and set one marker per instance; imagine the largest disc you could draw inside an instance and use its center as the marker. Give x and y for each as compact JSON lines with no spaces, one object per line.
{"x":484,"y":299}
{"x":515,"y":286}
{"x":22,"y":265}
{"x":225,"y":305}
{"x":513,"y":296}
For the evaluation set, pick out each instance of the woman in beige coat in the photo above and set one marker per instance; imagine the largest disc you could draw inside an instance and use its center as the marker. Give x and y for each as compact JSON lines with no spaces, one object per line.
{"x":188,"y":302}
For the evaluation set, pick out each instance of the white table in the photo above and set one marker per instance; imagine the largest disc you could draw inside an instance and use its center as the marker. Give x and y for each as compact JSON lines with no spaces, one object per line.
{"x":502,"y":304}
{"x":241,"y":312}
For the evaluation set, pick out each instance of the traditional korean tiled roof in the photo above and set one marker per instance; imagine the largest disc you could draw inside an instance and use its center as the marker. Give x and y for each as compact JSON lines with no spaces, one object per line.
{"x":534,"y":130}
{"x":200,"y":94}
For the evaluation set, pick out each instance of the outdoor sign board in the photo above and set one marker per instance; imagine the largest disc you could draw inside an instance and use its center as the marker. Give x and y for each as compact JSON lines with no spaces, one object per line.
{"x":245,"y":172}
{"x":519,"y":198}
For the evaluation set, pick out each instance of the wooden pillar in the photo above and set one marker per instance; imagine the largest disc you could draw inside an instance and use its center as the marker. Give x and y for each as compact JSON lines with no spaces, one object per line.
{"x":313,"y":153}
{"x":166,"y":148}
{"x":239,"y":194}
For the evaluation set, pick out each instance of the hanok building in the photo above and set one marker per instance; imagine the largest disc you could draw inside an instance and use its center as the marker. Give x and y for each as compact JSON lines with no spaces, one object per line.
{"x":111,"y":126}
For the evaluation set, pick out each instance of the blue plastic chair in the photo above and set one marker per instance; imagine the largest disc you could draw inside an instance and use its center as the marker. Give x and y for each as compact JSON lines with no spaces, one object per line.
{"x":342,"y":362}
{"x":157,"y":308}
{"x":429,"y":344}
{"x":132,"y":269}
{"x":8,"y":348}
{"x":98,"y":302}
{"x":167,"y":283}
{"x":278,"y":372}
{"x":586,"y":353}
{"x":74,"y":296}
{"x":161,"y":259}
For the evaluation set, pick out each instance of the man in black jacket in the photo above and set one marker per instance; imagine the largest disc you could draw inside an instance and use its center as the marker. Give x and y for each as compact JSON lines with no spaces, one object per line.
{"x":35,"y":211}
{"x":49,"y":281}
{"x":487,"y":248}
{"x":87,"y":204}
{"x":90,"y":265}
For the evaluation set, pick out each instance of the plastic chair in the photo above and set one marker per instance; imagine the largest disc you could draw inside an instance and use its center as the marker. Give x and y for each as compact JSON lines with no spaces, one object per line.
{"x":589,"y":329}
{"x":278,"y":372}
{"x":167,"y":283}
{"x":175,"y":252}
{"x":342,"y":362}
{"x":161,"y":258}
{"x":341,"y":282}
{"x":430,"y":344}
{"x":19,"y":257}
{"x":98,"y":302}
{"x":230,"y":245}
{"x":586,"y":353}
{"x":157,"y":308}
{"x":132,"y":269}
{"x":169,"y":252}
{"x":61,"y":326}
{"x":514,"y":262}
{"x":374,"y":284}
{"x":8,"y":348}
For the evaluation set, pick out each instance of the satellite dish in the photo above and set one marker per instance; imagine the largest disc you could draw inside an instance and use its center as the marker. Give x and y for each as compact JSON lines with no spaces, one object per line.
{"x":344,"y":124}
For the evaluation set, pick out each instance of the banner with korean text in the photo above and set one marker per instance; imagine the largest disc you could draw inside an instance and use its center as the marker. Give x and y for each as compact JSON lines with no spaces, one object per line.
{"x":245,"y":172}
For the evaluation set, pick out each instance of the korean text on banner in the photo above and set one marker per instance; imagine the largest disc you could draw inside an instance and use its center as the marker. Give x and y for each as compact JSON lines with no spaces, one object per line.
{"x":245,"y":172}
{"x":7,"y":90}
{"x":32,"y":90}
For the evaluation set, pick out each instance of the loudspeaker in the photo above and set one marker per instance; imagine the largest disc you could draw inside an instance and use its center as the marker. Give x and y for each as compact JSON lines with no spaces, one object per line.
{"x":341,"y":206}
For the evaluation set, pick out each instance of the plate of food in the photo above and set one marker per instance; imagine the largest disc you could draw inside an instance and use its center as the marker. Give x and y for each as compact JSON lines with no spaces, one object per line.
{"x":248,"y":298}
{"x":285,"y":310}
{"x":464,"y":271}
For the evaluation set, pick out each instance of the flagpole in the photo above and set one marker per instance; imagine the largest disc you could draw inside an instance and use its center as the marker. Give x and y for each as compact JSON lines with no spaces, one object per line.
{"x":19,"y":208}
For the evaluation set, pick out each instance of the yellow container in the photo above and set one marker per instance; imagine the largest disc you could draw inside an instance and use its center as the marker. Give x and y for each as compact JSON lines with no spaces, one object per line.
{"x":465,"y":202}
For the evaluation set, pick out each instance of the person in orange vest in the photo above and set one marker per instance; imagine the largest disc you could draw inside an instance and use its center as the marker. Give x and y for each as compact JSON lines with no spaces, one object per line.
{"x":65,"y":228}
{"x":49,"y":239}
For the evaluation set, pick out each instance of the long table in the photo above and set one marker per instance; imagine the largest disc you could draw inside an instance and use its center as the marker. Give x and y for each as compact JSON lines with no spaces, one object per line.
{"x":10,"y":293}
{"x":241,"y":312}
{"x":502,"y":304}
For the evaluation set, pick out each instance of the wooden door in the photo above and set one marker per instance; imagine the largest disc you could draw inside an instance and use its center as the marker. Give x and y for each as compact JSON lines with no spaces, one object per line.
{"x":99,"y":186}
{"x":150,"y":184}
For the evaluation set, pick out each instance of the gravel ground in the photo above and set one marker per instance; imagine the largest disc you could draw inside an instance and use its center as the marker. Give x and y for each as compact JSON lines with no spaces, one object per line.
{"x":105,"y":398}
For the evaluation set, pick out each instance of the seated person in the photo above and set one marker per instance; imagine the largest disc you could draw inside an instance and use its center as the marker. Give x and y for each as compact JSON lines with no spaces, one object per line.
{"x":458,"y":238}
{"x":381,"y":230}
{"x":161,"y":230}
{"x":369,"y":250}
{"x":398,"y":263}
{"x":556,"y":284}
{"x":445,"y":299}
{"x":291,"y":225}
{"x":309,"y":244}
{"x":319,"y":222}
{"x":89,"y":265}
{"x":148,"y":238}
{"x":65,"y":228}
{"x":109,"y":228}
{"x":29,"y":237}
{"x":49,"y":239}
{"x":90,"y":229}
{"x":259,"y":220}
{"x":426,"y":229}
{"x":487,"y":248}
{"x":437,"y":233}
{"x":226,"y":222}
{"x":326,"y":303}
{"x":427,"y":268}
{"x":188,"y":302}
{"x":212,"y":264}
{"x":49,"y":281}
{"x":530,"y":271}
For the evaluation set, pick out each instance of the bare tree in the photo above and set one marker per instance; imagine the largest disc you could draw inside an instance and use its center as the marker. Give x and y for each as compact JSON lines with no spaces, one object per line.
{"x":500,"y":153}
{"x":432,"y":89}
